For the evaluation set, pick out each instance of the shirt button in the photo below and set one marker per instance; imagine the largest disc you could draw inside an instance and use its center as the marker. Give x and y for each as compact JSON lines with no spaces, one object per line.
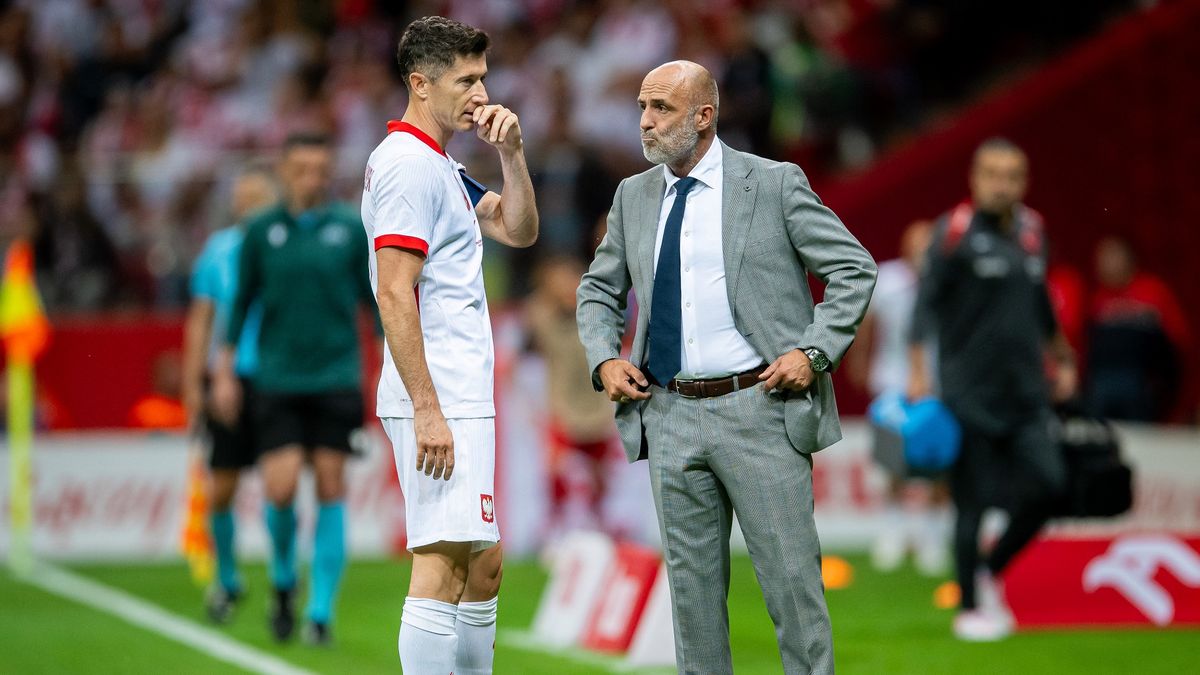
{"x":689,"y":304}
{"x":686,"y":233}
{"x":687,"y":269}
{"x":690,"y":341}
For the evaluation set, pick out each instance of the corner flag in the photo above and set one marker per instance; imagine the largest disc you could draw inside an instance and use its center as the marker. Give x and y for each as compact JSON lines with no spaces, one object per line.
{"x":25,"y":334}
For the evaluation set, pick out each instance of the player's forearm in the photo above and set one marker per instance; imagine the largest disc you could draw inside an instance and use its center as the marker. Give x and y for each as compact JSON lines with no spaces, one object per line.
{"x":224,"y":366}
{"x":916,"y":360}
{"x":1060,"y":349}
{"x":402,"y":327}
{"x":518,"y":208}
{"x":196,"y":337}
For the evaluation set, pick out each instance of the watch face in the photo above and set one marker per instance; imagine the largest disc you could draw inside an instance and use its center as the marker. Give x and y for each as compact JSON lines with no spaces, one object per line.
{"x":818,"y":361}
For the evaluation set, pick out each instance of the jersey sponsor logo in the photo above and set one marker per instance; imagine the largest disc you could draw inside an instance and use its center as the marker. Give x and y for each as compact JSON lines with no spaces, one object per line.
{"x":277,"y":235}
{"x":334,"y":234}
{"x":487,"y":507}
{"x":367,"y":178}
{"x":991,"y":267}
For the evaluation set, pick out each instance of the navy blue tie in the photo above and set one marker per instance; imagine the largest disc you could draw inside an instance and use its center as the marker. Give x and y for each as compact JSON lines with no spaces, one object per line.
{"x":665,"y":338}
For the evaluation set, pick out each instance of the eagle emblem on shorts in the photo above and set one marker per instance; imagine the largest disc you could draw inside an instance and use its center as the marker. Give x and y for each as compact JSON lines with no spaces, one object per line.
{"x":487,"y":508}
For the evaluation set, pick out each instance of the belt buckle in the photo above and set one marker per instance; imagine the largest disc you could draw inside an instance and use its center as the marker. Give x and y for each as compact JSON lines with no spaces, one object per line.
{"x":679,"y":388}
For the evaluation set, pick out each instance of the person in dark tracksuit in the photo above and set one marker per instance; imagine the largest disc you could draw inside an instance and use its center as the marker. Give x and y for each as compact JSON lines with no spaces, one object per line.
{"x":983,"y":297}
{"x":305,"y":260}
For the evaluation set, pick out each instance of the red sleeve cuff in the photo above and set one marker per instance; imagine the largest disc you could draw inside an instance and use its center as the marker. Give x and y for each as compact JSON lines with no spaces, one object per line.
{"x":402,"y":241}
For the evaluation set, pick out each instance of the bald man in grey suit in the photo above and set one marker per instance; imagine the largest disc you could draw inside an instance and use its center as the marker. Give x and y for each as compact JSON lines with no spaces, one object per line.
{"x":731,"y":392}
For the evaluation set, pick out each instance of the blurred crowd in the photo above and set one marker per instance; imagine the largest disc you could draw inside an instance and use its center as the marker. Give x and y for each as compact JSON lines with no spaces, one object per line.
{"x":121,"y":121}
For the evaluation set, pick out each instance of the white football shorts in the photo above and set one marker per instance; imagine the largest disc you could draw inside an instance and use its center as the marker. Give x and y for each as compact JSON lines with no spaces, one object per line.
{"x":459,"y":509}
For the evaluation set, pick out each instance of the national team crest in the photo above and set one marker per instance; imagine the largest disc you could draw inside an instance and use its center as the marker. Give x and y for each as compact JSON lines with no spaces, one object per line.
{"x":488,"y":508}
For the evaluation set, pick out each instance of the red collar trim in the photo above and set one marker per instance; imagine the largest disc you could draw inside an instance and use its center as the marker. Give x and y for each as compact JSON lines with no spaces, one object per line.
{"x":397,"y":125}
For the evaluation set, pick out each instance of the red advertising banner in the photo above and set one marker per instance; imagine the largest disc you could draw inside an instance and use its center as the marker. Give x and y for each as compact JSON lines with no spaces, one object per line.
{"x":1149,"y":578}
{"x":616,"y":616}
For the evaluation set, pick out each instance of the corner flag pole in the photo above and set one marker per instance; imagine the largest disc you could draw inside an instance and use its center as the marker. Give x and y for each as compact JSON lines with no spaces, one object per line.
{"x":20,"y":457}
{"x":25,"y":333}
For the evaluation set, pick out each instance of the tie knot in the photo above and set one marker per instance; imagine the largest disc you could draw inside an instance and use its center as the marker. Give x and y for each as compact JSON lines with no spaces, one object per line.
{"x":684,"y":185}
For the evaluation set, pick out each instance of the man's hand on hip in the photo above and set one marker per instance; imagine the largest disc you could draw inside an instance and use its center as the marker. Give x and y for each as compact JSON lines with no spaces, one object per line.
{"x":435,"y":445}
{"x":792,"y":371}
{"x":621,"y":380}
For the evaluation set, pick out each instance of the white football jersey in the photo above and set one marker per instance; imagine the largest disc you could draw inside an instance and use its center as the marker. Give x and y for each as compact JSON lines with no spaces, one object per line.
{"x":416,"y":197}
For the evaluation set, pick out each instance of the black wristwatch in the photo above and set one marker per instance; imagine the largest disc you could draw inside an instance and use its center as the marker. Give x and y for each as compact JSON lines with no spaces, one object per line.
{"x":817,"y":360}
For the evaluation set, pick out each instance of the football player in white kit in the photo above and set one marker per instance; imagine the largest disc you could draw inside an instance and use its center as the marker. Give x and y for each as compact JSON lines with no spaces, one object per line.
{"x":427,"y":219}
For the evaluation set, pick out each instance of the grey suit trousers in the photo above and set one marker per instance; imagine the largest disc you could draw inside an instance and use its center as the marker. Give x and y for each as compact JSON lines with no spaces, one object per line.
{"x":711,"y":458}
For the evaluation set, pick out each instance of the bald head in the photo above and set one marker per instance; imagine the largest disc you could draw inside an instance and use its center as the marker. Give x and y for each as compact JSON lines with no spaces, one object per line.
{"x":694,"y":82}
{"x":679,"y":114}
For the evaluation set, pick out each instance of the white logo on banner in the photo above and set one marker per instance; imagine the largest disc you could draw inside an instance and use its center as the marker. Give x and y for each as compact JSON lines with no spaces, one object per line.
{"x":577,"y":577}
{"x":1129,"y":567}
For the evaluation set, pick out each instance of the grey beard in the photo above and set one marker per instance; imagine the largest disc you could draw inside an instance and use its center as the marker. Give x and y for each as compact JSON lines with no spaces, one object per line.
{"x":657,"y":154}
{"x":672,"y":147}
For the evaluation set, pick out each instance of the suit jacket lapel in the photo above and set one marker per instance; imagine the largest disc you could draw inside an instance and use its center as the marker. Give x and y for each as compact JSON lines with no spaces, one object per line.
{"x":648,"y":209}
{"x":739,"y":193}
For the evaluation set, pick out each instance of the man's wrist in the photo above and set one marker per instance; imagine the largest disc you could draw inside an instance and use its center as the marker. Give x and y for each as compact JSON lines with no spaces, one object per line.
{"x":427,"y":408}
{"x":516,"y":154}
{"x":817,"y":360}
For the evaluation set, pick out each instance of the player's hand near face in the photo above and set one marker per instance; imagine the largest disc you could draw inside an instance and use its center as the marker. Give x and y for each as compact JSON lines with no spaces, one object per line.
{"x":435,"y":445}
{"x":498,"y":126}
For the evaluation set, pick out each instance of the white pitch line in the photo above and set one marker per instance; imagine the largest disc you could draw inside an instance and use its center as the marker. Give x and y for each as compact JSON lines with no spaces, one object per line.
{"x":157,"y":620}
{"x":526,"y":641}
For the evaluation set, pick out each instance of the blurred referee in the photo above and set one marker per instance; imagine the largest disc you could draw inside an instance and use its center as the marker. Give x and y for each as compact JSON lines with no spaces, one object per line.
{"x":231,"y":448}
{"x":305,"y":261}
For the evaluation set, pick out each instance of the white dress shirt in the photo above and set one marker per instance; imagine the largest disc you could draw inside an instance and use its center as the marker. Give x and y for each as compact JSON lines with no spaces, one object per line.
{"x":712,"y":346}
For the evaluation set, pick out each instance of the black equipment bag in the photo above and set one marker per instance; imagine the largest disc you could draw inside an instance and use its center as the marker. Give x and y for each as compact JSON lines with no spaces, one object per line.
{"x":1099,"y":484}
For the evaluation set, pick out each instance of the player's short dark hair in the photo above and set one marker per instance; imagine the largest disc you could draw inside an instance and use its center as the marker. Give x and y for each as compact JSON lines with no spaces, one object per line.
{"x":430,"y":45}
{"x":306,"y":139}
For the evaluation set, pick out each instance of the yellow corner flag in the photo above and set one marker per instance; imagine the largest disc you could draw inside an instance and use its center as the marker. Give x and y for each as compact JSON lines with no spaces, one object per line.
{"x":196,"y":540}
{"x":25,"y":333}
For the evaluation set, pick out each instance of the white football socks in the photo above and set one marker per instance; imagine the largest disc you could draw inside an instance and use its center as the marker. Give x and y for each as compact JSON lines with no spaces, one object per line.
{"x":476,"y":630}
{"x":428,"y":643}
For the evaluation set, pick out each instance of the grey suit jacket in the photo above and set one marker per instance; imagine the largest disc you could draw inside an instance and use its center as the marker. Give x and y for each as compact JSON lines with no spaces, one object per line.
{"x":774,"y":232}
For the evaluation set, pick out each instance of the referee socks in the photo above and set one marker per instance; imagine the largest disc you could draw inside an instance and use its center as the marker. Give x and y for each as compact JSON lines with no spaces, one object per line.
{"x":281,"y":525}
{"x":329,"y":559}
{"x":224,"y":531}
{"x":428,"y":642}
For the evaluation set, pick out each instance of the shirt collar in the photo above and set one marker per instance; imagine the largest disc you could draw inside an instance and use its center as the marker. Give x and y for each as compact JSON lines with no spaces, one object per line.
{"x":708,"y":170}
{"x":397,"y":125}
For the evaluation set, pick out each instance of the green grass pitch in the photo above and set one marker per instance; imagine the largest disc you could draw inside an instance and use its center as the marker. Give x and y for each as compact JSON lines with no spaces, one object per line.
{"x":882,"y":624}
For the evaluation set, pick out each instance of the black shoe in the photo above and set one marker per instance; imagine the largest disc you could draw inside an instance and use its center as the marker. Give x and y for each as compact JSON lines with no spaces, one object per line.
{"x":317,"y":634}
{"x":282,"y":618}
{"x":220,"y":604}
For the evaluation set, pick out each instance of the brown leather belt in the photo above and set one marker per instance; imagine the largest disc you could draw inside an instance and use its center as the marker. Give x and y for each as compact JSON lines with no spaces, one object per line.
{"x":715,"y":387}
